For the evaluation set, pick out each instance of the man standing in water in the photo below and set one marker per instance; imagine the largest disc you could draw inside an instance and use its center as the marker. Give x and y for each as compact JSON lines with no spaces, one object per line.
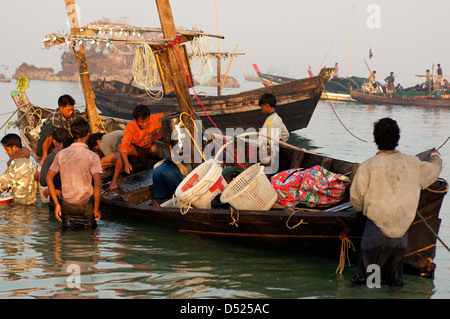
{"x":19,"y":176}
{"x":77,"y":166}
{"x":386,"y":188}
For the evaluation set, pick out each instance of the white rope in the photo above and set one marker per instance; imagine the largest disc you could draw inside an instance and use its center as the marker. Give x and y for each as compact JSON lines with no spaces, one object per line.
{"x":145,"y":71}
{"x":200,"y":62}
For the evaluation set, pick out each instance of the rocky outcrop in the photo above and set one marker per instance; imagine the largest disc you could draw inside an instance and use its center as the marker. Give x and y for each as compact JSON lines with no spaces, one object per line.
{"x":114,"y":66}
{"x":230,"y":82}
{"x":3,"y":78}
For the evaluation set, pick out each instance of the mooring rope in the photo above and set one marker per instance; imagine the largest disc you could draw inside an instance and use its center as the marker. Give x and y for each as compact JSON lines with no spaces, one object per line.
{"x":345,"y":245}
{"x":431,"y":229}
{"x":343,"y":125}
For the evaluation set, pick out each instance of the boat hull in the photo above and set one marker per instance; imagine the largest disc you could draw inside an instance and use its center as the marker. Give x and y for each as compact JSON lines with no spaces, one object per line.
{"x":399,"y":100}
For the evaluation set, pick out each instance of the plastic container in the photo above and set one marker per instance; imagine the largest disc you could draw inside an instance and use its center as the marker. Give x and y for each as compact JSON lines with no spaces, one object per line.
{"x":201,"y":186}
{"x":250,"y":190}
{"x":5,"y":199}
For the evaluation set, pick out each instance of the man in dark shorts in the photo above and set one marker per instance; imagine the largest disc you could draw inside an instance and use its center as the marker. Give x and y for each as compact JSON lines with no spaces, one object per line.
{"x":77,"y":166}
{"x":386,"y":188}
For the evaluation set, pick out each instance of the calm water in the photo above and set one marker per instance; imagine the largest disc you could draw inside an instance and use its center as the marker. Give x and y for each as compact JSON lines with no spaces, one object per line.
{"x":125,"y":258}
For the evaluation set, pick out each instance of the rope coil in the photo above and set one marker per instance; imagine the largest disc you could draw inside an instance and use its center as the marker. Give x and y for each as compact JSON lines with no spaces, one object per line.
{"x":145,"y":71}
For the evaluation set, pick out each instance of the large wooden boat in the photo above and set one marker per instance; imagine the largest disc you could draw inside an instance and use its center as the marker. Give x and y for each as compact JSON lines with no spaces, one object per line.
{"x":403,"y":99}
{"x":315,"y":231}
{"x":335,"y":89}
{"x":296,"y":102}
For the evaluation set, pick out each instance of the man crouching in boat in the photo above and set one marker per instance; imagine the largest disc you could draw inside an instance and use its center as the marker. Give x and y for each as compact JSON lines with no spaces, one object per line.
{"x":19,"y":176}
{"x":138,"y":140}
{"x":77,"y":166}
{"x":386,"y":188}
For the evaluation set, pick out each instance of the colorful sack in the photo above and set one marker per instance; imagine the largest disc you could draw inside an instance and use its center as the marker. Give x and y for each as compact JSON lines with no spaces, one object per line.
{"x":287,"y":185}
{"x":313,"y":187}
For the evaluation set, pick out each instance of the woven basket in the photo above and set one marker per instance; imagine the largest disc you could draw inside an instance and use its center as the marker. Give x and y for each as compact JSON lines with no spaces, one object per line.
{"x":250,"y":190}
{"x":201,"y":186}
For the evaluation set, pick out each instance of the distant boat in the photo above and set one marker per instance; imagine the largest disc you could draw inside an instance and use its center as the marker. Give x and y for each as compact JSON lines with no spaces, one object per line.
{"x":297,"y":101}
{"x":337,"y":89}
{"x":269,"y":79}
{"x":408,"y":99}
{"x":253,"y":77}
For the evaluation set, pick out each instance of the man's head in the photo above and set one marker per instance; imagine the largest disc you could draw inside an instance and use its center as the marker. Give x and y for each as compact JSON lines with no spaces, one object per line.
{"x":11,"y":142}
{"x":141,"y":114}
{"x":66,"y":105}
{"x":93,"y":141}
{"x":267,"y":102}
{"x":79,"y":129}
{"x":60,"y":135}
{"x":386,"y":134}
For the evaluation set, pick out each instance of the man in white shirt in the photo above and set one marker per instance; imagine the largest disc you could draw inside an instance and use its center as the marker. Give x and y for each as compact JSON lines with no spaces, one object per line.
{"x":274,"y":128}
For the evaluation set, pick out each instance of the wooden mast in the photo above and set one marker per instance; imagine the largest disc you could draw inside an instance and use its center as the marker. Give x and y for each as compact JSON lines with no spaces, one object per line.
{"x":83,"y":69}
{"x":178,"y":71}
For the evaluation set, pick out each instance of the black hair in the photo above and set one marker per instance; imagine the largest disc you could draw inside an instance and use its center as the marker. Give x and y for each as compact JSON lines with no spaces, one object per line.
{"x":268,"y":98}
{"x":386,"y":134}
{"x":80,"y":128}
{"x":92,"y":140}
{"x":65,"y":100}
{"x":60,"y":135}
{"x":11,"y":139}
{"x":141,"y":112}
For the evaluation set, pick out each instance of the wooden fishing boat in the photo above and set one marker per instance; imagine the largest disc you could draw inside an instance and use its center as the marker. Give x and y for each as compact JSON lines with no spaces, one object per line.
{"x":315,"y":231}
{"x":407,"y":100}
{"x":334,"y":90}
{"x":270,"y":79}
{"x":296,"y":102}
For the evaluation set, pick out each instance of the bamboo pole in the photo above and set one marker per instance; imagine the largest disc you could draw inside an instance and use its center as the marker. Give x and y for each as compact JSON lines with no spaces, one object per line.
{"x":219,"y":75}
{"x":228,"y":69}
{"x":94,"y":120}
{"x":351,"y":42}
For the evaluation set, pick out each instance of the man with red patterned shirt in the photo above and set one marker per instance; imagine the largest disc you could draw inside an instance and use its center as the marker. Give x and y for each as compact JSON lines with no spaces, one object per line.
{"x":138,"y":140}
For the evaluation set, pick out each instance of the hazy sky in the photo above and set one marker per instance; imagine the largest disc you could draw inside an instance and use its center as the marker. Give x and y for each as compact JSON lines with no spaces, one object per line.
{"x":282,"y":37}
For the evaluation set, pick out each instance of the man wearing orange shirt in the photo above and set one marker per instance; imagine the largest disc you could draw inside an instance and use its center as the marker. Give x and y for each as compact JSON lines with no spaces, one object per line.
{"x":138,"y":140}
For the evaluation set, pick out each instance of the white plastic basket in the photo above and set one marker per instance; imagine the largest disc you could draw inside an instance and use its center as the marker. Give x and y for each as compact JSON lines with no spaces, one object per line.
{"x":201,"y":186}
{"x":250,"y":190}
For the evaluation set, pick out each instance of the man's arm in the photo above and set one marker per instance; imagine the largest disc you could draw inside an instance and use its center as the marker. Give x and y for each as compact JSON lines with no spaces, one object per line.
{"x":126,"y":164}
{"x":97,"y":195}
{"x":51,"y":187}
{"x":45,"y":147}
{"x":6,"y":181}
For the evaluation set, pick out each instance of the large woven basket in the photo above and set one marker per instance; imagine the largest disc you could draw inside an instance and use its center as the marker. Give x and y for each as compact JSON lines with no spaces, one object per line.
{"x":201,"y":186}
{"x":250,"y":190}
